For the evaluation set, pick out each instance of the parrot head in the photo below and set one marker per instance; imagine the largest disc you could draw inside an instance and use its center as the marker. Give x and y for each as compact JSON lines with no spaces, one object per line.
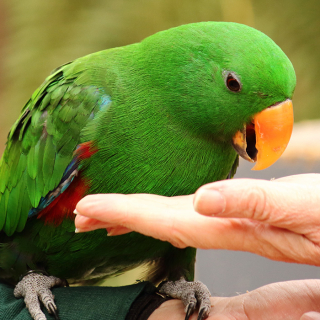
{"x":225,"y":81}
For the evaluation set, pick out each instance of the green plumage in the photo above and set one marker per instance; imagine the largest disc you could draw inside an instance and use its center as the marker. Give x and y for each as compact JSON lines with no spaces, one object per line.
{"x":160,"y":118}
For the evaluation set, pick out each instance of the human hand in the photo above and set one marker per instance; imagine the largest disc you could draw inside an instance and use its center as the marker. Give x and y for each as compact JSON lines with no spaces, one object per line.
{"x":291,"y":300}
{"x":277,"y":219}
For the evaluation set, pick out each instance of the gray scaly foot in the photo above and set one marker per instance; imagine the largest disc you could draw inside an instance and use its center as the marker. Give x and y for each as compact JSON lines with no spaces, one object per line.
{"x":34,"y":287}
{"x":191,"y":294}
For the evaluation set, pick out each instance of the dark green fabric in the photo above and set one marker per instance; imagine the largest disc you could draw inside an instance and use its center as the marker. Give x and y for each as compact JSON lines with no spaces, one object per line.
{"x":145,"y":304}
{"x":78,"y":303}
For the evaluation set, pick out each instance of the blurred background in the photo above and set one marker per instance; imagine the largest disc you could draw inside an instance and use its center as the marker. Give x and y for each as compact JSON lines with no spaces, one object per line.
{"x":37,"y":36}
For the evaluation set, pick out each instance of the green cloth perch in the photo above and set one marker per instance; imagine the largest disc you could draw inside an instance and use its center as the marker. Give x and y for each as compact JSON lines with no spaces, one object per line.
{"x":75,"y":303}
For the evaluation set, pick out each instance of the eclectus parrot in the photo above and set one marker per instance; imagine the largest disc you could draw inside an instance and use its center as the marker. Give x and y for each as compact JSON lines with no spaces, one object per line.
{"x":162,"y":116}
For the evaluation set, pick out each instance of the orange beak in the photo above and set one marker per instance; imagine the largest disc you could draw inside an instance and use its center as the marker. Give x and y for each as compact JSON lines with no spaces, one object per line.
{"x":264,"y":140}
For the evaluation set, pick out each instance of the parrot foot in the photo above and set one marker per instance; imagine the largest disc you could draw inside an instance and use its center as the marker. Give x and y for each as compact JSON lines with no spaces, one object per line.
{"x":34,"y":286}
{"x":191,"y":294}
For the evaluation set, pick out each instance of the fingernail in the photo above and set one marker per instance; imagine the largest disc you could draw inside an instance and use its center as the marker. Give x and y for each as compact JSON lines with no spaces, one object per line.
{"x":115,"y":231}
{"x":209,"y":202}
{"x":77,"y":230}
{"x":75,"y":211}
{"x":312,"y":315}
{"x":111,"y":232}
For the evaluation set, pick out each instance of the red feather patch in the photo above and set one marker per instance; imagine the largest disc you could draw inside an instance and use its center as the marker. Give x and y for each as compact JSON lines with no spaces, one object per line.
{"x":63,"y":206}
{"x":85,"y":150}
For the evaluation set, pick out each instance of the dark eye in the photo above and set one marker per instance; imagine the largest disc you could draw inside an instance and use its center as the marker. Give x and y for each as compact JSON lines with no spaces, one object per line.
{"x":232,"y":83}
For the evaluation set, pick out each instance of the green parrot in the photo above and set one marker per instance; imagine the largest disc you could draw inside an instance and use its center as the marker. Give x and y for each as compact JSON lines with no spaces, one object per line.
{"x":162,"y":116}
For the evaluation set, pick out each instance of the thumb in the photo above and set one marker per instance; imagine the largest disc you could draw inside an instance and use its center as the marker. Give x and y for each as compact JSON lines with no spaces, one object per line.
{"x":312,"y":315}
{"x":281,"y":203}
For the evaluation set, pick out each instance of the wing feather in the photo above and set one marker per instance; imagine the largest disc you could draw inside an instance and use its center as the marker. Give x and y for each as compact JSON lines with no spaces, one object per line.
{"x":3,"y":209}
{"x":25,"y":203}
{"x":41,"y":143}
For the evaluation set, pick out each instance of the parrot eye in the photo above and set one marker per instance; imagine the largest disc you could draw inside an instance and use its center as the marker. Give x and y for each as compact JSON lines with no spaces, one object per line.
{"x":232,"y":83}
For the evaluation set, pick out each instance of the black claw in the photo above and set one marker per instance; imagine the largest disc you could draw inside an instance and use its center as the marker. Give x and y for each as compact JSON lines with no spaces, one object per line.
{"x":189,"y":311}
{"x":66,"y":283}
{"x":53,"y":310}
{"x":202,"y":315}
{"x":55,"y":314}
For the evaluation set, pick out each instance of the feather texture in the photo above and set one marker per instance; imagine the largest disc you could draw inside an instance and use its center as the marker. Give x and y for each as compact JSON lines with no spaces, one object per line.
{"x":41,"y":144}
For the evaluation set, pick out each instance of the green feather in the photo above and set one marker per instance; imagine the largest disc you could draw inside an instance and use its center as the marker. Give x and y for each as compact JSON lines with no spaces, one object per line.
{"x":14,"y":209}
{"x":44,"y":103}
{"x":67,"y":113}
{"x":24,"y":202}
{"x":37,"y":164}
{"x":61,"y":162}
{"x":3,"y":210}
{"x":32,"y":192}
{"x":4,"y":174}
{"x":49,"y":157}
{"x":32,"y":169}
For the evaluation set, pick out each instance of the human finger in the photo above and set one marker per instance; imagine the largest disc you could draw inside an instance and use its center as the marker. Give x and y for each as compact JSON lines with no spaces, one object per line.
{"x":312,"y":315}
{"x":280,"y":203}
{"x":85,"y":224}
{"x":145,"y":213}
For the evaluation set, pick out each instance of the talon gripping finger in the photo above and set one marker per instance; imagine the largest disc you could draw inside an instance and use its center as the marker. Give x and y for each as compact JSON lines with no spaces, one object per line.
{"x":202,"y":314}
{"x":190,"y":311}
{"x":191,"y":294}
